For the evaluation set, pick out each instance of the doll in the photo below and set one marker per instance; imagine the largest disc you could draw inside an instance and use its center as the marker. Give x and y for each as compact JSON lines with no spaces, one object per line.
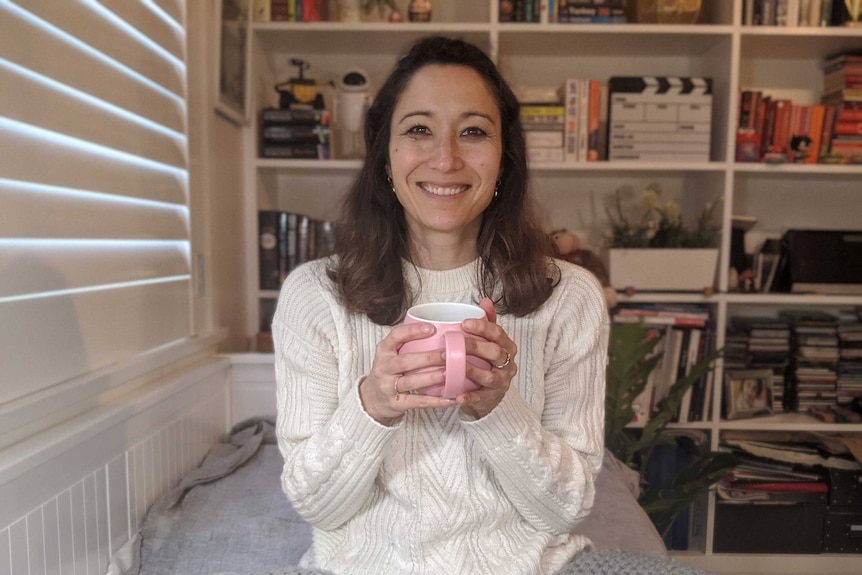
{"x":569,"y":249}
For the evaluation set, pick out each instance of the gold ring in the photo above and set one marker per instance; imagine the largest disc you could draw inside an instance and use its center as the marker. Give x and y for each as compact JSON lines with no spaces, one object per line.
{"x":397,"y":393}
{"x":508,"y":359}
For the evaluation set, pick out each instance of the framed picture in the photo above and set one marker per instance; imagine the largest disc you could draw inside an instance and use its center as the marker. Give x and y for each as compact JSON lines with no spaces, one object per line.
{"x":748,"y":393}
{"x":232,"y":45}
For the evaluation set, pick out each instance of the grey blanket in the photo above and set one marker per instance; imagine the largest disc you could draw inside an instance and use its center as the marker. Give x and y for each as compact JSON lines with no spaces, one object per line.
{"x":230,"y":517}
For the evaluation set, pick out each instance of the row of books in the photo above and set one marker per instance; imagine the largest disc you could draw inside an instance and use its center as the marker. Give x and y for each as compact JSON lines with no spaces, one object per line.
{"x":795,"y":13}
{"x":778,"y":130}
{"x":563,"y":11}
{"x":288,"y":239}
{"x":290,"y":10}
{"x":688,"y":336}
{"x":565,"y":125}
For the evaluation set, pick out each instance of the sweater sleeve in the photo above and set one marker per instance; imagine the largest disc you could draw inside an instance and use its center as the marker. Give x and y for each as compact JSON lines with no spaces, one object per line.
{"x":547,"y":464}
{"x":331,"y":447}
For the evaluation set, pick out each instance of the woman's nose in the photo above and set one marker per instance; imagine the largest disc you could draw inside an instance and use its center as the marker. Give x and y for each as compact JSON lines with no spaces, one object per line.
{"x":447,"y":155}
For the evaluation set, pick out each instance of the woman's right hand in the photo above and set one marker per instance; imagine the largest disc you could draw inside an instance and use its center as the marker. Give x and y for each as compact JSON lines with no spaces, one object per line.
{"x":386,"y":390}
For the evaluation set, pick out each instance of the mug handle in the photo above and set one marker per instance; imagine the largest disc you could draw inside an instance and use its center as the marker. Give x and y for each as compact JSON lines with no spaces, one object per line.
{"x":456,"y":363}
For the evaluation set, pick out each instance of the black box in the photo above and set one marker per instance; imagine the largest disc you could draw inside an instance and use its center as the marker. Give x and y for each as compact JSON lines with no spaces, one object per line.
{"x":845,"y":488}
{"x":842,"y":530}
{"x":821,"y":261}
{"x":769,"y":528}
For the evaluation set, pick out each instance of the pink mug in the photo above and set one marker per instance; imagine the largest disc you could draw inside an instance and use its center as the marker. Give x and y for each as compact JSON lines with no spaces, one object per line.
{"x":447,"y":318}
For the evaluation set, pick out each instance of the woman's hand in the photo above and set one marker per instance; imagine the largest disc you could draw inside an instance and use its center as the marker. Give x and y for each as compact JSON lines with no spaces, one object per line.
{"x":500,"y":352}
{"x":389,"y":390}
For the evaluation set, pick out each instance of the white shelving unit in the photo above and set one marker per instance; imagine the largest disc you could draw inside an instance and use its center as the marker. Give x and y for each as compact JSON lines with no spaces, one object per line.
{"x":777,"y":60}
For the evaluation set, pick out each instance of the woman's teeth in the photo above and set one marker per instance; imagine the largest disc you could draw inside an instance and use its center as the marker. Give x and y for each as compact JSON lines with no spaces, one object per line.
{"x":443,"y":191}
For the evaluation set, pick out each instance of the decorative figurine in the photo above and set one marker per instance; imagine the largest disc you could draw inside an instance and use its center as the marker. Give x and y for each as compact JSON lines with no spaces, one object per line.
{"x":420,"y":11}
{"x":352,"y":98}
{"x":300,"y":93}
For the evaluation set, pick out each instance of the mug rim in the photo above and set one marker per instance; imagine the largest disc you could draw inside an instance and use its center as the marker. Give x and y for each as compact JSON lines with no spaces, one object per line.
{"x":478,"y":312}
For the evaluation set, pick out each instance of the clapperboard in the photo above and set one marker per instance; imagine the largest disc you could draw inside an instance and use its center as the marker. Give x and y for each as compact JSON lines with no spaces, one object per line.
{"x":659,"y":119}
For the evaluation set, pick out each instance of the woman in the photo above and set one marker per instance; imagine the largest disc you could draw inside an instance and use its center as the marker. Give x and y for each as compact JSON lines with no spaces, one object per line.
{"x":394,"y":482}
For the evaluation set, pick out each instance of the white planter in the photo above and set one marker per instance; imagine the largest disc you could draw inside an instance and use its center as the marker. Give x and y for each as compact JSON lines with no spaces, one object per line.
{"x":663,"y":269}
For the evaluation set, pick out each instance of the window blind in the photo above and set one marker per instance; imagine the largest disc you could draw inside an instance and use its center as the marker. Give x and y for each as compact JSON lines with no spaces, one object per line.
{"x":94,"y":187}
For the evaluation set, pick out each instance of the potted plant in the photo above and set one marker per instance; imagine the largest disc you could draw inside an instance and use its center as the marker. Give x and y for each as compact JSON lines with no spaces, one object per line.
{"x":631,"y":359}
{"x":656,"y":250}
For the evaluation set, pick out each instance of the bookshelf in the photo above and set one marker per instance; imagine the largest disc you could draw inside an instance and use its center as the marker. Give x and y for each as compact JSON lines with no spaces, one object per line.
{"x":777,"y":60}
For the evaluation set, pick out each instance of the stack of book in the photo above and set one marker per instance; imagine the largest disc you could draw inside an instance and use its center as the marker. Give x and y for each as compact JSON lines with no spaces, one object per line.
{"x":760,"y":343}
{"x":688,"y":337}
{"x":295,"y":133}
{"x":766,"y":481}
{"x":563,"y":11}
{"x":543,"y":120}
{"x":813,"y":371}
{"x":849,"y":384}
{"x":842,"y":92}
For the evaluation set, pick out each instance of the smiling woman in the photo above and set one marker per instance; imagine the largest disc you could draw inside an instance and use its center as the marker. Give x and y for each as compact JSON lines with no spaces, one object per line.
{"x":394,"y":481}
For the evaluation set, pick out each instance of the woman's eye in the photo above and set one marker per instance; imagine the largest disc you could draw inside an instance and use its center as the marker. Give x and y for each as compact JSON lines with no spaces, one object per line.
{"x":418,"y":130}
{"x":474,"y":132}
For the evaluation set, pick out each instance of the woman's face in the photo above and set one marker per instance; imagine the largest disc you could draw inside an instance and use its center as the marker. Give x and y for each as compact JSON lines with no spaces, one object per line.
{"x":444,"y":153}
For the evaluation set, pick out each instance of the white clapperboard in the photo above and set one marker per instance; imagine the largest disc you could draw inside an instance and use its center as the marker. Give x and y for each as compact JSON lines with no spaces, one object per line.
{"x":659,"y":119}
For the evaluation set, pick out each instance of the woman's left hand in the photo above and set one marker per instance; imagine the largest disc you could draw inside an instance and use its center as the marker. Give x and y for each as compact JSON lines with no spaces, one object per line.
{"x":499,"y":350}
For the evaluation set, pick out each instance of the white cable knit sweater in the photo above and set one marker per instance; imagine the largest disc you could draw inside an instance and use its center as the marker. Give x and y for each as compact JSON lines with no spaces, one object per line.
{"x":439,"y":492}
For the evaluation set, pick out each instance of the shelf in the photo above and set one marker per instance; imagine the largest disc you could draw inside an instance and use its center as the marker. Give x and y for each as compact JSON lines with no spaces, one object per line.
{"x":628,"y":167}
{"x":818,"y":169}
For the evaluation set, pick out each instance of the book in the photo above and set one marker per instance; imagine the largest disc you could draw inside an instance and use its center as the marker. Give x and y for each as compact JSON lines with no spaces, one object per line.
{"x":848,"y":128}
{"x":261,"y":11}
{"x":296,"y":151}
{"x":313,"y":10}
{"x":268,"y":258}
{"x":594,"y":103}
{"x":295,"y":116}
{"x":571,"y":101}
{"x":298,"y":134}
{"x":806,"y":133}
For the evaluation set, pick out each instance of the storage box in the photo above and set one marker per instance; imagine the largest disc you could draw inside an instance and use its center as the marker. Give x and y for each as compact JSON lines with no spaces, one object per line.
{"x":845,"y":488}
{"x":842,"y":530}
{"x":752,"y":528}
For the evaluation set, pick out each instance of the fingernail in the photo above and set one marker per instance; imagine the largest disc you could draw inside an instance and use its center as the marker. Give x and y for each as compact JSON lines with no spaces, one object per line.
{"x":469,"y":324}
{"x":426,"y":328}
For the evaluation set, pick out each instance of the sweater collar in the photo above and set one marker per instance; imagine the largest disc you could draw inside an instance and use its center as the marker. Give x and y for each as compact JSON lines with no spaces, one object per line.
{"x":427,"y":282}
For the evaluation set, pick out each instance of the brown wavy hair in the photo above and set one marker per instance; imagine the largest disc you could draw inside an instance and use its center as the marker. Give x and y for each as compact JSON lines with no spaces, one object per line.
{"x":371,"y":235}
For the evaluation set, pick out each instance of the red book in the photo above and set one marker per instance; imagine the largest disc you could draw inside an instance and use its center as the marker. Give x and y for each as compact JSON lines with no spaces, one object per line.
{"x":828,"y":130}
{"x":843,"y":128}
{"x":594,"y":103}
{"x":848,"y":115}
{"x":313,"y":10}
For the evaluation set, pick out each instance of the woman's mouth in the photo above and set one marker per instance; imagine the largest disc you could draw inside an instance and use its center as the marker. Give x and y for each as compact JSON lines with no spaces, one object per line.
{"x":438,"y":190}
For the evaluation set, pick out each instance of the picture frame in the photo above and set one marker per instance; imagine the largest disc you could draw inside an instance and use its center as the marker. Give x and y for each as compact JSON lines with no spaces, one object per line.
{"x":748,"y":393}
{"x":233,"y":37}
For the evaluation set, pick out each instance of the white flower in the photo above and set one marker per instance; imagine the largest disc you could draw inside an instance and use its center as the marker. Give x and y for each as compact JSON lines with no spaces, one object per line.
{"x":672,"y":211}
